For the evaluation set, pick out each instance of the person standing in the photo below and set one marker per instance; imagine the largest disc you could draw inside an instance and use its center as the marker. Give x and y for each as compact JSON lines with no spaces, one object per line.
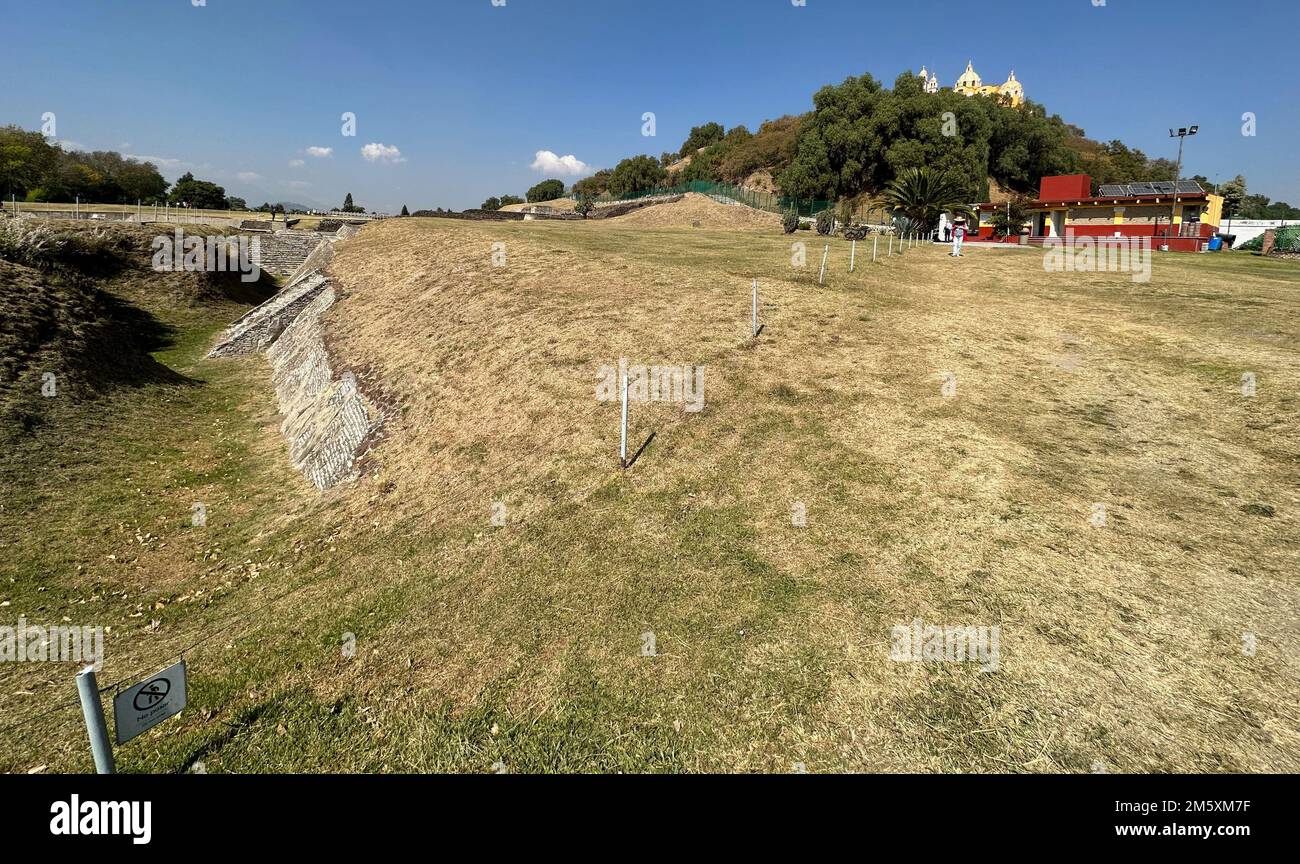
{"x":958,"y":234}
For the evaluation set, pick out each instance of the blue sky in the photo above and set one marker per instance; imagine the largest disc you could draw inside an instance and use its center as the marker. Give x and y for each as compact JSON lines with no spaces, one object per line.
{"x":468,"y":92}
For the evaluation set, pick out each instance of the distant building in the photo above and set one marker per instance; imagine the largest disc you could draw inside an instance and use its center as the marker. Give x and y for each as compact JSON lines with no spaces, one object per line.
{"x":1066,"y":207}
{"x":970,"y":84}
{"x":931,"y":84}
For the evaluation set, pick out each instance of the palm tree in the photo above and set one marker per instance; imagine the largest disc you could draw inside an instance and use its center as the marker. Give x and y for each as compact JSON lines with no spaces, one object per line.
{"x":922,"y":194}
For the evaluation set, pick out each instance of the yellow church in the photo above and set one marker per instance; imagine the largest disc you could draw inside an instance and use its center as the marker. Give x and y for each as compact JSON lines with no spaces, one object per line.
{"x":970,"y":84}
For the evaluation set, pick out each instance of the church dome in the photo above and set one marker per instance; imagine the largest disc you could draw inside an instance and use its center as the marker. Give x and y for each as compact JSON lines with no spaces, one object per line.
{"x":969,"y":80}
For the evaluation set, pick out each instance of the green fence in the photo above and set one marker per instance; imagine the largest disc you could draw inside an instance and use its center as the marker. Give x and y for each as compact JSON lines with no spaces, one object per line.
{"x":729,"y":193}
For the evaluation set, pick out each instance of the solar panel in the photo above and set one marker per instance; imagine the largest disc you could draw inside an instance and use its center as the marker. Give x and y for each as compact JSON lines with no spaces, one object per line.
{"x":1141,"y":189}
{"x":1163,"y":187}
{"x":1114,"y":190}
{"x":1189,"y":187}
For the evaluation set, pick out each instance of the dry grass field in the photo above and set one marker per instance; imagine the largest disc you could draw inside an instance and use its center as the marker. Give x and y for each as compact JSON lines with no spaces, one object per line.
{"x":1162,"y":637}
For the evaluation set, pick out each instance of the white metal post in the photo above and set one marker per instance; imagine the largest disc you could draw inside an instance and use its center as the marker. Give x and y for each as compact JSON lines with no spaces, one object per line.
{"x":875,"y":242}
{"x":821,"y":277}
{"x":753,"y":311}
{"x":853,"y":256}
{"x":890,"y":252}
{"x":93,"y":711}
{"x":622,"y":437}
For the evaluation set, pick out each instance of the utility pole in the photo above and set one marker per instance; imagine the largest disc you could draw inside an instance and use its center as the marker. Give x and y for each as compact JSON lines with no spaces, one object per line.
{"x":1181,"y":134}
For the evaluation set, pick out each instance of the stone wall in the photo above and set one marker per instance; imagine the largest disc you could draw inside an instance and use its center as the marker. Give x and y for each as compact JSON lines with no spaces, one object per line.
{"x":327,"y":421}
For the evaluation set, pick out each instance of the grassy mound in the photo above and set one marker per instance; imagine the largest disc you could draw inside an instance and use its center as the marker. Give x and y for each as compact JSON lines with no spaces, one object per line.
{"x":699,"y":209}
{"x":559,"y":205}
{"x":80,"y":307}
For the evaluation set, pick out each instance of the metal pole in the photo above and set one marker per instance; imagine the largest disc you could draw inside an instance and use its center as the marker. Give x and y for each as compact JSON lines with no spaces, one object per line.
{"x":753,"y":311}
{"x":821,"y":277}
{"x":1173,"y":208}
{"x":853,"y":255}
{"x":93,"y":711}
{"x":890,"y":251}
{"x":622,"y":438}
{"x":875,"y":242}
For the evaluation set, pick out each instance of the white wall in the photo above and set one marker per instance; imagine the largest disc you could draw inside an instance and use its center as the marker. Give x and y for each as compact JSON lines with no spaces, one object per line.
{"x":1248,"y":229}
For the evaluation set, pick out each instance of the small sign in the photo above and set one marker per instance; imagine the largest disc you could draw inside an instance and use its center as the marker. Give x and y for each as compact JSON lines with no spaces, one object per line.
{"x":143,"y":706}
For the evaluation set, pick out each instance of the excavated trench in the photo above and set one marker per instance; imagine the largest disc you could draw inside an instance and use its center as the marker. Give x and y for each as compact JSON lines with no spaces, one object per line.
{"x":326,"y":419}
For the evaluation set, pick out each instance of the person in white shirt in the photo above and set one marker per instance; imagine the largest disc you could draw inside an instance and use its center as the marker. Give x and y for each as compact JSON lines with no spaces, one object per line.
{"x":958,"y":234}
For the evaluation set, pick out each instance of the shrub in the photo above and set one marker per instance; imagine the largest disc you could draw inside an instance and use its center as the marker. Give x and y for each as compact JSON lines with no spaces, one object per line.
{"x":855,"y":232}
{"x":582,"y":208}
{"x":825,"y":222}
{"x":790,"y":221}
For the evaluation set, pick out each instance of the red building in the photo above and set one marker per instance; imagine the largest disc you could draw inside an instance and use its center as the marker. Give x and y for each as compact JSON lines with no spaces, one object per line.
{"x":1181,"y":217}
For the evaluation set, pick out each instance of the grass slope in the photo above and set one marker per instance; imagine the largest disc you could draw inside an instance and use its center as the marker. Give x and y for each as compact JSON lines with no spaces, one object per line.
{"x":520,"y":644}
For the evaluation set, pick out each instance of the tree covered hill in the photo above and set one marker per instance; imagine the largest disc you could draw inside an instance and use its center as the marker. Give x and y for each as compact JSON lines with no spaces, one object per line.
{"x":861,"y":135}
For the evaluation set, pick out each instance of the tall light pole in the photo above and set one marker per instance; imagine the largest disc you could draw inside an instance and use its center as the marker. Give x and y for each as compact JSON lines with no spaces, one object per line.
{"x":1181,"y":134}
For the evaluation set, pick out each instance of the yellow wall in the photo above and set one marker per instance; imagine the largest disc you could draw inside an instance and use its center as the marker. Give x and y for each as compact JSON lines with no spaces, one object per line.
{"x":1214,"y":210}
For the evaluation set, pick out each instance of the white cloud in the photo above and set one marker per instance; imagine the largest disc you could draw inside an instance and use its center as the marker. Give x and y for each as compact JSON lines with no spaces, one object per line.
{"x":548,"y":163}
{"x":296,"y":163}
{"x":320,"y":152}
{"x":381,"y":153}
{"x":249,"y":176}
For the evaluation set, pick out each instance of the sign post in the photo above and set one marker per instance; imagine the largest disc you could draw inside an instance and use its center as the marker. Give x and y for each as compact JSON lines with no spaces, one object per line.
{"x":622,"y":436}
{"x":93,"y":712}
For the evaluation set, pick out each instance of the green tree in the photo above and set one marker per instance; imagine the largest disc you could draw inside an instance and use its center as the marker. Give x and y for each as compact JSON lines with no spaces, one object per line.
{"x":198,"y":193}
{"x":233,"y":203}
{"x":1010,"y":218}
{"x":701,"y":136}
{"x":405,"y":212}
{"x":1234,"y":194}
{"x":638,"y":174}
{"x":583,"y":208}
{"x":507,"y":200}
{"x":596,"y":184}
{"x":922,"y":194}
{"x":547,"y":190}
{"x":493,"y":203}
